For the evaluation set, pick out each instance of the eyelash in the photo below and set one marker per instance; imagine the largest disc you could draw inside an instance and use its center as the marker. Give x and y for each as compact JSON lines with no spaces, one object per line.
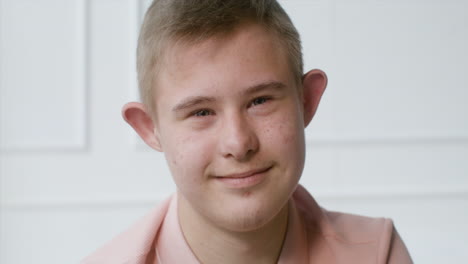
{"x":206,"y":112}
{"x":202,"y":113}
{"x":263,"y":98}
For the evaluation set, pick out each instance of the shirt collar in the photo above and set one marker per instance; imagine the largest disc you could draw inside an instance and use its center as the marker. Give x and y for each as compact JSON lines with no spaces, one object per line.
{"x":173,"y":248}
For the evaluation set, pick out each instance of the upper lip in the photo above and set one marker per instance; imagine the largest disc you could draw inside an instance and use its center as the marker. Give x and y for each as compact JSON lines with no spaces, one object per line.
{"x":245,"y":174}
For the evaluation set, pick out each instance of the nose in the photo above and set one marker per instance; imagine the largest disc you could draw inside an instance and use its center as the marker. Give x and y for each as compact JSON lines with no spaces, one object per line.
{"x":238,"y":139}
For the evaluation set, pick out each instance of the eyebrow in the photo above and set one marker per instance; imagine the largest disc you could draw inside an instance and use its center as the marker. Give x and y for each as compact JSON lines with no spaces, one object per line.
{"x":273,"y":85}
{"x":195,"y":100}
{"x":192,"y":101}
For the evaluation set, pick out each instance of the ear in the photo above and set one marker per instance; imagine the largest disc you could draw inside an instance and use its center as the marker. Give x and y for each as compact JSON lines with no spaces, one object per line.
{"x":138,"y":117}
{"x":314,"y":83}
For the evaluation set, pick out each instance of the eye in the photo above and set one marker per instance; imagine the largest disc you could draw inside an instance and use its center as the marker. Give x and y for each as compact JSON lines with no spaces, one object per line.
{"x":260,"y":100}
{"x":202,"y":112}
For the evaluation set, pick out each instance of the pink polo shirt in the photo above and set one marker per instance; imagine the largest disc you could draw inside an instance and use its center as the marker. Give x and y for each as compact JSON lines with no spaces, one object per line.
{"x":314,"y":235}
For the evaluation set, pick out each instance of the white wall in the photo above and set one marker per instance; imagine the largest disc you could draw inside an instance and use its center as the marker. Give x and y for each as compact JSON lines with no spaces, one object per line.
{"x":390,"y":138}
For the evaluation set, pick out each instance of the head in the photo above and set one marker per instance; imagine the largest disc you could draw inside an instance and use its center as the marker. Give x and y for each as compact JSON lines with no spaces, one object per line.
{"x":192,"y":21}
{"x":225,"y":99}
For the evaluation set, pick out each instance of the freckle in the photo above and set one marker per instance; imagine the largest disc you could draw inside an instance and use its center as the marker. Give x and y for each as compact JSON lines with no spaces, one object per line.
{"x":247,"y":194}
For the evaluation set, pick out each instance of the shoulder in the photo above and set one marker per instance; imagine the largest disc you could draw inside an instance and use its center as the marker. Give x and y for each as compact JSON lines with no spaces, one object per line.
{"x":357,"y":228}
{"x":376,"y":236}
{"x":351,"y":236}
{"x":135,"y":244}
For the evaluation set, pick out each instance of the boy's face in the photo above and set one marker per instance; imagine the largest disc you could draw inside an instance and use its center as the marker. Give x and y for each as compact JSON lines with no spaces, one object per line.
{"x":230,"y":122}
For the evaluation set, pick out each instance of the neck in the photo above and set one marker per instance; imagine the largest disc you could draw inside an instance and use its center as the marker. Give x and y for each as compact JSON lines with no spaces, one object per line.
{"x":213,"y":244}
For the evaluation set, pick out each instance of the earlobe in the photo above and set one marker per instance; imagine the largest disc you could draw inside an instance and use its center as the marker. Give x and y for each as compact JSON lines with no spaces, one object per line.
{"x":140,"y":120}
{"x":314,"y":83}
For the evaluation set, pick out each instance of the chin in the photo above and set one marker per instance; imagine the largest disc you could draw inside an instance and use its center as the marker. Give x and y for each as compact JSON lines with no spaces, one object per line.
{"x":250,"y":217}
{"x":246,"y":223}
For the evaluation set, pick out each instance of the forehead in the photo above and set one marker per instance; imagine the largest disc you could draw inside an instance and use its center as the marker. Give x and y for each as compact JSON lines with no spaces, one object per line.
{"x":248,"y":54}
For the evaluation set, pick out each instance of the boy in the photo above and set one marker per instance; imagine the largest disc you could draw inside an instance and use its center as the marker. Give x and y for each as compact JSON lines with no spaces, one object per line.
{"x":226,"y":100}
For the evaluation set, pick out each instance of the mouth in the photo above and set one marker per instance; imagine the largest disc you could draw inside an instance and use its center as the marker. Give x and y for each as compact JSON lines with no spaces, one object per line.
{"x":244,"y":179}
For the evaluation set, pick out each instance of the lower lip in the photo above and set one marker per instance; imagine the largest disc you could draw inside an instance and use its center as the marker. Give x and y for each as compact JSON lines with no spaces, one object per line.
{"x":244,"y":182}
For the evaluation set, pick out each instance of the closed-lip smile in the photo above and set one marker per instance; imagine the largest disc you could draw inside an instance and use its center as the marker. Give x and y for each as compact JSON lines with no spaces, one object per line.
{"x":244,"y":179}
{"x":245,"y":174}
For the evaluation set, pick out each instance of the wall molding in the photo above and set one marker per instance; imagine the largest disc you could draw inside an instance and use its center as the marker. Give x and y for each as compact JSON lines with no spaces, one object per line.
{"x":379,"y":194}
{"x":79,"y":140}
{"x":347,"y":140}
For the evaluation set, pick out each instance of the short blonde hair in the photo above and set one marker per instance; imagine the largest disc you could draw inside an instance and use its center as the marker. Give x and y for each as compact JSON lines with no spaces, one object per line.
{"x":197,"y":20}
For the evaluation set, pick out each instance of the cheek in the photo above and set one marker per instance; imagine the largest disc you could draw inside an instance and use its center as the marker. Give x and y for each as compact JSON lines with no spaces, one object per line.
{"x":187,"y":157}
{"x":286,"y":129}
{"x":289,"y":133}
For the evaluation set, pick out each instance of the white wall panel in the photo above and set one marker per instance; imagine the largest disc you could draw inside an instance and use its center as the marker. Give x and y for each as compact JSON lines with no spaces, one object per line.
{"x":320,"y":170}
{"x":396,"y":71}
{"x":43,"y":74}
{"x":400,"y":71}
{"x":387,"y":169}
{"x":81,"y":179}
{"x":61,"y":235}
{"x":408,"y":167}
{"x":110,"y":33}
